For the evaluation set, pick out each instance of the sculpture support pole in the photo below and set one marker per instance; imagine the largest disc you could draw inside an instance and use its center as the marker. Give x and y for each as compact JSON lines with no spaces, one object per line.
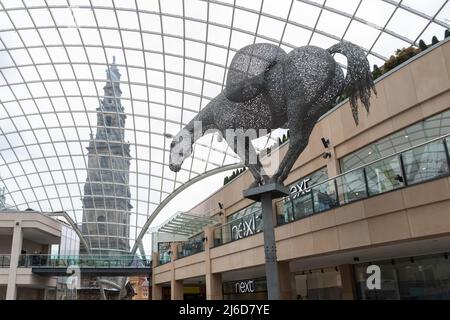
{"x":265,"y":194}
{"x":270,"y":248}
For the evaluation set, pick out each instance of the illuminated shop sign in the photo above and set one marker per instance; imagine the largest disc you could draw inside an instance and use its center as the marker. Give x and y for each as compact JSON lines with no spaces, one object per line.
{"x":300,"y":188}
{"x":247,"y":286}
{"x":244,"y":286}
{"x":246,"y":227}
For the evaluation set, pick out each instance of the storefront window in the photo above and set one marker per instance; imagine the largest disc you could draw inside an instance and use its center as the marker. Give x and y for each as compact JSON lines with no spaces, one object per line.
{"x":421,"y":132}
{"x":419,"y":278}
{"x":425,"y":162}
{"x":319,"y":285}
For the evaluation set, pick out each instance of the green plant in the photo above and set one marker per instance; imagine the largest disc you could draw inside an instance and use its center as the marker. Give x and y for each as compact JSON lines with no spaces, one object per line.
{"x":401,"y":55}
{"x":233,"y":175}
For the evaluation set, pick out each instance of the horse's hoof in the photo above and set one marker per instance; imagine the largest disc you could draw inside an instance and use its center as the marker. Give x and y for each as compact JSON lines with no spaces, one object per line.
{"x":254,"y":184}
{"x":276,"y":180}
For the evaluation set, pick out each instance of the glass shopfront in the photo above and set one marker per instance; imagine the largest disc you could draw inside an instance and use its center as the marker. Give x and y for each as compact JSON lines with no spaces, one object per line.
{"x":418,"y":133}
{"x":247,"y":289}
{"x":322,"y":284}
{"x":418,"y":278}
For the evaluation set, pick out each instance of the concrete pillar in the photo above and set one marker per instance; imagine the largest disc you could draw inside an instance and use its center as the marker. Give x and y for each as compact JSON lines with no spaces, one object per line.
{"x":176,"y":289}
{"x":213,"y":280}
{"x":156,"y":289}
{"x":156,"y":292}
{"x":214,"y":286}
{"x":285,"y":280}
{"x":16,"y":248}
{"x":333,"y":166}
{"x":176,"y":286}
{"x":348,"y":282}
{"x":174,"y":249}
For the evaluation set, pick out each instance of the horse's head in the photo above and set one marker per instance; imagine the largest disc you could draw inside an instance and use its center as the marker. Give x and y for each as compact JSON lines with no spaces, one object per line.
{"x":180,"y":149}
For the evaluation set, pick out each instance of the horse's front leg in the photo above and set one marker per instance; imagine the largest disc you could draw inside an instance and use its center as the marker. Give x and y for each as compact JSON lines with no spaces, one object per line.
{"x":296,"y":147}
{"x":248,"y":155}
{"x":299,"y":136}
{"x":252,"y":162}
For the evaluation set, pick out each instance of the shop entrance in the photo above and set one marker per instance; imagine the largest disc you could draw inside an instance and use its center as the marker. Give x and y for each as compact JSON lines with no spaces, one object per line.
{"x":194,"y":289}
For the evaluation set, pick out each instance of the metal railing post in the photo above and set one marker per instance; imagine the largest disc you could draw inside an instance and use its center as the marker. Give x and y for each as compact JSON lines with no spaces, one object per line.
{"x":366,"y":183}
{"x":337,"y":192}
{"x":402,"y":169}
{"x":447,"y":154}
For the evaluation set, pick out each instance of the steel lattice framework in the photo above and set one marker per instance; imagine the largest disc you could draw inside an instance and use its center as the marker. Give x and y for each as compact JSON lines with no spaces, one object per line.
{"x":173,"y":57}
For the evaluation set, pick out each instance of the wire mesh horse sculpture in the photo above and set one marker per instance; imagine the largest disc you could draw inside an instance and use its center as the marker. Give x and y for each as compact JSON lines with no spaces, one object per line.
{"x":269,"y":89}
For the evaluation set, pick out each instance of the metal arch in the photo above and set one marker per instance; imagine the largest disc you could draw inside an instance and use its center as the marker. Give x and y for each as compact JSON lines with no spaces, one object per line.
{"x":174,"y":194}
{"x":73,"y":225}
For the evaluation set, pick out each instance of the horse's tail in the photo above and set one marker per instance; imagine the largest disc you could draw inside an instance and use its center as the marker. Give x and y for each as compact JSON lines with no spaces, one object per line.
{"x":359,"y":81}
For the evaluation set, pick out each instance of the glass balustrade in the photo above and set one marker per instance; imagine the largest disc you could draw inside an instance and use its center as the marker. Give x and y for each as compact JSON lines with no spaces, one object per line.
{"x":238,"y":228}
{"x":384,"y":175}
{"x":165,"y":257}
{"x":87,"y":261}
{"x":352,"y":186}
{"x":5,"y":260}
{"x":189,"y":248}
{"x":324,"y":196}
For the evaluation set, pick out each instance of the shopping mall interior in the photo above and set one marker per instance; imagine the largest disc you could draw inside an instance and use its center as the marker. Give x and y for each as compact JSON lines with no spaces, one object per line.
{"x":95,"y":93}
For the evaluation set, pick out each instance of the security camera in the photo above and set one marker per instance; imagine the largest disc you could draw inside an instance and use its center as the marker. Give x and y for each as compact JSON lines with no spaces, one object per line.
{"x":325,"y":142}
{"x":326,"y":155}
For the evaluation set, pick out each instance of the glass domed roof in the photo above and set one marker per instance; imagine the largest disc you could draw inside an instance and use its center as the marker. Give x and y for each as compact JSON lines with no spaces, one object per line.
{"x":173,"y":58}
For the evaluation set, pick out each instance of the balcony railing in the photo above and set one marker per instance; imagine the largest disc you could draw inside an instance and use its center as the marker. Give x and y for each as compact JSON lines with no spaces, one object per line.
{"x":425,"y":162}
{"x":5,"y":260}
{"x":189,"y":248}
{"x":236,"y":229}
{"x":165,"y":257}
{"x":83,"y":261}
